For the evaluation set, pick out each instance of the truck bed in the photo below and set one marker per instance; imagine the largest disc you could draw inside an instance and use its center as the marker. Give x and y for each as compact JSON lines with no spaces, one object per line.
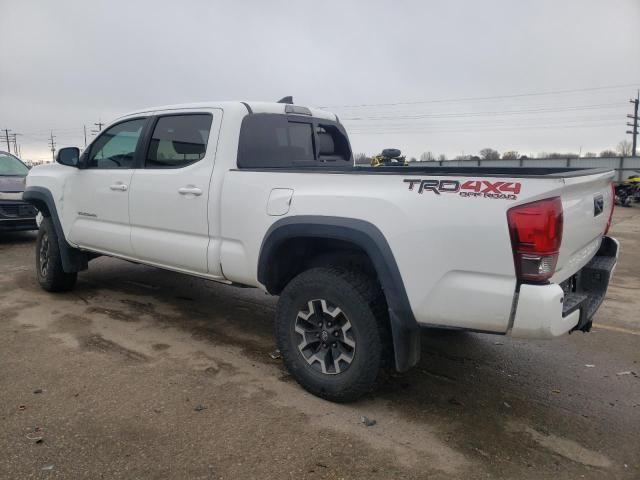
{"x":510,"y":172}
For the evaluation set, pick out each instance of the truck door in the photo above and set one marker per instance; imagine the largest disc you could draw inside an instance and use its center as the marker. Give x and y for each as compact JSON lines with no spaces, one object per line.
{"x":96,"y":198}
{"x":169,"y":195}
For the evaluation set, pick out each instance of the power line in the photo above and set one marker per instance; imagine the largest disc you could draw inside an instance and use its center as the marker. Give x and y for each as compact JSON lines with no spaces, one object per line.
{"x":480,"y":128}
{"x":493,"y":97}
{"x":45,"y":132}
{"x":488,"y":113}
{"x":495,"y":120}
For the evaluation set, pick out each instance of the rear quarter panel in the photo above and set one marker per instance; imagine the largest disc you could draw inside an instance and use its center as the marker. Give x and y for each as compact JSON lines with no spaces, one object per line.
{"x":453,"y":252}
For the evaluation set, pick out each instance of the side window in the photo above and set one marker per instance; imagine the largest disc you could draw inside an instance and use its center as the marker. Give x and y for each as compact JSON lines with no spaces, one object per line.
{"x":333,"y":145}
{"x":300,"y":141}
{"x":270,"y":140}
{"x":115,"y":148}
{"x":178,"y":140}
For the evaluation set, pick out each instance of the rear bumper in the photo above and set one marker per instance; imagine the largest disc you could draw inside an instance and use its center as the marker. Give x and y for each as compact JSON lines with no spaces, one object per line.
{"x":17,"y":215}
{"x":548,"y":311}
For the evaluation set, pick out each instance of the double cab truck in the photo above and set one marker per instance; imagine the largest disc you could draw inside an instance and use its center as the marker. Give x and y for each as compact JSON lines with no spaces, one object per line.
{"x":266,"y":195}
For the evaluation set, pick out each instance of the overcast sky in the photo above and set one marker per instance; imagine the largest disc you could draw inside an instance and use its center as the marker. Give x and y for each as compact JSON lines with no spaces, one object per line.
{"x":65,"y":64}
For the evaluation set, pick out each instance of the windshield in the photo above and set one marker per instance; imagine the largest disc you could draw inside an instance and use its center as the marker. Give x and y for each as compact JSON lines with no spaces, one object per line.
{"x":10,"y":165}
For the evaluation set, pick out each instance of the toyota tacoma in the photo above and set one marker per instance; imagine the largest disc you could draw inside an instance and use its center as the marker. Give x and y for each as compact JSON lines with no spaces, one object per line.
{"x":266,"y":195}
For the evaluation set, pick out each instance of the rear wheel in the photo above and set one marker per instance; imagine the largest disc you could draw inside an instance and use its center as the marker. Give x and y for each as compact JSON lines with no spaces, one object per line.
{"x":51,"y":275}
{"x":330,"y":331}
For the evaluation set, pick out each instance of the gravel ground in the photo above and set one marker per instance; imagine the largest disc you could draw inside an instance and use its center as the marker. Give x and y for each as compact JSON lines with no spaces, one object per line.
{"x":141,"y":373}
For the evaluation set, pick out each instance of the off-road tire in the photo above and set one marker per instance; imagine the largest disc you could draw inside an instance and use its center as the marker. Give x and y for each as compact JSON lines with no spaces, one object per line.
{"x":51,"y":276}
{"x":391,"y":153}
{"x":362,"y":302}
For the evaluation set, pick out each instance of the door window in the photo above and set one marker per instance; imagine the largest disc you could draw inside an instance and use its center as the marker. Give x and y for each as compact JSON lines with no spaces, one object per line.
{"x":116,"y":147}
{"x":178,"y":140}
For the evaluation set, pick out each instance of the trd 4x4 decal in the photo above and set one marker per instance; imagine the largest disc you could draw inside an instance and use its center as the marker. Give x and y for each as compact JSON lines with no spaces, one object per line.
{"x":470,"y":188}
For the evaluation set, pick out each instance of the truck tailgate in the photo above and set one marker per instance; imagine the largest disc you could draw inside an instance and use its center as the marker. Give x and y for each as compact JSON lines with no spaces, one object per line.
{"x":587,"y":202}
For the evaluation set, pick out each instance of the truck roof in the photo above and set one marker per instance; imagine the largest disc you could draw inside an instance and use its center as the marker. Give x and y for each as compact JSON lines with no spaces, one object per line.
{"x":248,"y":106}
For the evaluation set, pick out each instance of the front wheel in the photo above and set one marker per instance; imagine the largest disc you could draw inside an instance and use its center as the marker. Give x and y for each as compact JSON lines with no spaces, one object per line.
{"x":51,"y":275}
{"x":330,"y":327}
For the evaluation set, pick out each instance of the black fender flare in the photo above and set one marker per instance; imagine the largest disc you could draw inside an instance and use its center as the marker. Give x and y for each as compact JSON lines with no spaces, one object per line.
{"x":73,"y":260}
{"x":404,"y":327}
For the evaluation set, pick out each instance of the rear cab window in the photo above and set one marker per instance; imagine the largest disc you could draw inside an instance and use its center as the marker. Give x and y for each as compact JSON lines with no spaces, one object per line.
{"x":291,"y":141}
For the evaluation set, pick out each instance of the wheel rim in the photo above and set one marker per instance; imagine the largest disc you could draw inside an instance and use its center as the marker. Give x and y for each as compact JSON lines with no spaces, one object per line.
{"x":325,"y":337}
{"x":44,"y":255}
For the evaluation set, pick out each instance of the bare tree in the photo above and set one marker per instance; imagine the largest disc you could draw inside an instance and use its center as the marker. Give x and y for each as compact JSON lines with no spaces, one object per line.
{"x":624,"y":148}
{"x":442,"y":157}
{"x":489,"y":154}
{"x":510,"y":155}
{"x":427,"y":157}
{"x":463,"y":157}
{"x":590,"y":154}
{"x":413,"y":160}
{"x":608,"y":153}
{"x":362,"y":159}
{"x":562,"y":155}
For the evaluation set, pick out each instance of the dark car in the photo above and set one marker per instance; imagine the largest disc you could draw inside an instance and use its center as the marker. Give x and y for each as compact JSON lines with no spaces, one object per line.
{"x":15,"y":214}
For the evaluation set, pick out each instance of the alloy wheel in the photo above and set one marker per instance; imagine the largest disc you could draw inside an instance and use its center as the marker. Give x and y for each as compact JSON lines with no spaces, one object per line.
{"x":326,"y":338}
{"x":44,"y":255}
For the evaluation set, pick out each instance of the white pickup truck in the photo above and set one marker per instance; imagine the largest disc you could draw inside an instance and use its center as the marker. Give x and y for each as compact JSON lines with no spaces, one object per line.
{"x":266,"y":195}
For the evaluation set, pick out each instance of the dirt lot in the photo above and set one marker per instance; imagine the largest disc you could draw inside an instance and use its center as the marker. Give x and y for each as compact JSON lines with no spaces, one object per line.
{"x":141,"y":373}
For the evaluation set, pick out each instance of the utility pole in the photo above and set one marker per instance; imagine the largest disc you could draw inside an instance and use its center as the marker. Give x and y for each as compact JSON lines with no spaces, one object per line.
{"x":93,"y":131}
{"x":85,"y":136}
{"x":13,"y":138}
{"x":52,"y":144}
{"x":634,"y":125}
{"x":6,"y":136}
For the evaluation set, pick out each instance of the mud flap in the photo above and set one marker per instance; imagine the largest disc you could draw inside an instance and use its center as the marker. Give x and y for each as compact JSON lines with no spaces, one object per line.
{"x":406,"y":342}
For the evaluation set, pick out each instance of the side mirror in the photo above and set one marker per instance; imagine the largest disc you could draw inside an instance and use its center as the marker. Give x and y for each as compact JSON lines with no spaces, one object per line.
{"x":69,"y":156}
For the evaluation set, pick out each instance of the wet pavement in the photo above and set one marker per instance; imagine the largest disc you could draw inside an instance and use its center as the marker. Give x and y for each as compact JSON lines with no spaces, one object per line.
{"x":142,"y":373}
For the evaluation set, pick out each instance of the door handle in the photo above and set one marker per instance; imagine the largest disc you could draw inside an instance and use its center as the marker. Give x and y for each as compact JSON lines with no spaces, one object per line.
{"x":190,"y":191}
{"x":121,"y":187}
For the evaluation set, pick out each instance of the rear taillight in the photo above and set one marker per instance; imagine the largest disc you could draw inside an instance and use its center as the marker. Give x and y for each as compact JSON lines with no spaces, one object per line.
{"x":613,"y":204}
{"x":536,"y":235}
